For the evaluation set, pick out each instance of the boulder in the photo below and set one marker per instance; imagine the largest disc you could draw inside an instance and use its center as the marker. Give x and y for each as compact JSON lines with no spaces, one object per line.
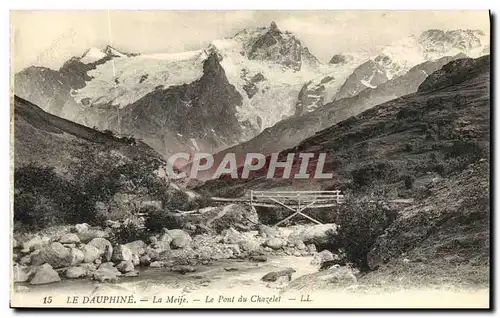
{"x":35,"y":243}
{"x":125,"y":266}
{"x":137,"y":247}
{"x":323,"y":256}
{"x":91,"y":234}
{"x":183,"y":269}
{"x":83,"y":227}
{"x":89,"y":267}
{"x":76,"y":272}
{"x":45,"y":274}
{"x":69,"y":238}
{"x":250,"y":245}
{"x":180,"y":239}
{"x":104,"y":246}
{"x":233,"y":215}
{"x":156,"y":264}
{"x":335,"y":277}
{"x":90,"y":253}
{"x":232,"y":236}
{"x":268,"y":231}
{"x":113,"y":224}
{"x":77,"y":256}
{"x":145,"y":260}
{"x":311,"y":248}
{"x":274,"y":276}
{"x":21,"y":274}
{"x":300,"y":245}
{"x":136,"y":260}
{"x":106,"y":274}
{"x":318,"y":234}
{"x":160,"y":244}
{"x":258,"y":258}
{"x":107,"y":265}
{"x":55,"y":254}
{"x":121,"y":253}
{"x":275,"y":243}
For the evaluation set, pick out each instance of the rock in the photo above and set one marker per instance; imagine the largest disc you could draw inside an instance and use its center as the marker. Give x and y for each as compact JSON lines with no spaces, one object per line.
{"x":156,"y":264}
{"x":76,"y":272}
{"x":91,"y":234}
{"x":90,"y":253}
{"x":136,"y":260}
{"x":329,"y":279}
{"x":77,"y":256}
{"x":311,"y":248}
{"x":131,"y":274}
{"x":183,"y":269}
{"x":274,"y":243}
{"x":301,"y":246}
{"x":230,"y":269}
{"x":297,"y":254}
{"x":69,"y":245}
{"x":89,"y":267}
{"x":45,"y":274}
{"x":322,"y":257}
{"x":273,"y":276}
{"x":250,"y":245}
{"x":180,"y":239}
{"x":125,"y":266}
{"x":21,"y":274}
{"x":106,"y":275}
{"x":232,"y":236}
{"x":69,"y":238}
{"x":137,"y":247}
{"x":153,"y":253}
{"x":104,"y":246}
{"x":55,"y":254}
{"x":121,"y":253}
{"x":267,"y":231}
{"x":80,"y":228}
{"x":258,"y":258}
{"x":98,"y":262}
{"x":35,"y":243}
{"x":237,"y":216}
{"x":25,"y":260}
{"x":145,"y":260}
{"x":318,"y":234}
{"x":160,"y":244}
{"x":107,"y":265}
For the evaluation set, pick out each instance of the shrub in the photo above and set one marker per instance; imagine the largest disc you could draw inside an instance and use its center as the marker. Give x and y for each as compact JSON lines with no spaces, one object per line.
{"x":368,"y":174}
{"x":360,"y":224}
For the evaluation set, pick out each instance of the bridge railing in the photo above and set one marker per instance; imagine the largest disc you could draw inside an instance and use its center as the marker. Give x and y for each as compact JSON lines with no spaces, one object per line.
{"x":296,"y":196}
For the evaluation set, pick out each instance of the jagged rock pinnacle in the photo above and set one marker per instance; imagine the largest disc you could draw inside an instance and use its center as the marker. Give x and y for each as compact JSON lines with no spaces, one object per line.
{"x":274,"y":27}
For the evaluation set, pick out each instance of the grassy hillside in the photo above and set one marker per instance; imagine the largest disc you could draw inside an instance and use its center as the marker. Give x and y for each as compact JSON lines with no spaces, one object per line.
{"x":69,"y":173}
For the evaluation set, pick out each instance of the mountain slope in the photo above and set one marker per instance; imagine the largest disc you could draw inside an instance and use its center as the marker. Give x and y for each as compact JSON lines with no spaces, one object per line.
{"x":44,"y":139}
{"x":428,"y":132}
{"x":289,"y":132}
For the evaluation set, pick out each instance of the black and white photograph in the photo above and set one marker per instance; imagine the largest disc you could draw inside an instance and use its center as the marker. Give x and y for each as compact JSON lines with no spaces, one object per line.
{"x":251,"y":159}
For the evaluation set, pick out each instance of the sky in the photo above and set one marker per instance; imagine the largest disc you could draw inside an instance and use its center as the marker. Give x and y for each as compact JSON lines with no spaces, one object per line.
{"x":49,"y":38}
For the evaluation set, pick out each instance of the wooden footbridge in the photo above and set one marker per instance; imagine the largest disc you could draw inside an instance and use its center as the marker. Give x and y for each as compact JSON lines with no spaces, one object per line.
{"x":296,"y":201}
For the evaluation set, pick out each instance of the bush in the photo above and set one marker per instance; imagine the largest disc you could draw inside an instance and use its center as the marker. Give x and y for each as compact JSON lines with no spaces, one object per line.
{"x":130,"y":232}
{"x":368,"y":174}
{"x":359,"y":226}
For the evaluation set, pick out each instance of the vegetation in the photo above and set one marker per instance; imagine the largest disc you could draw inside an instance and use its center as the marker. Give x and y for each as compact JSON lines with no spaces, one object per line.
{"x":360,"y":223}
